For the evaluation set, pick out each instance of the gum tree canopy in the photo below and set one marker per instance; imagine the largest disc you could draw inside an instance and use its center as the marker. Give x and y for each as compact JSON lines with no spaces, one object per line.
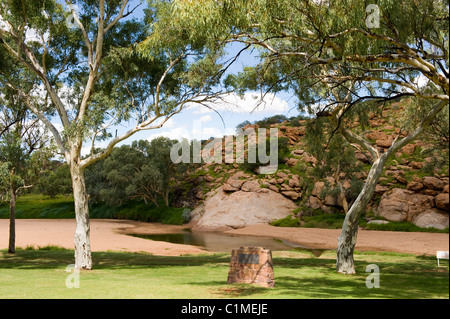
{"x":81,"y":75}
{"x":342,"y":59}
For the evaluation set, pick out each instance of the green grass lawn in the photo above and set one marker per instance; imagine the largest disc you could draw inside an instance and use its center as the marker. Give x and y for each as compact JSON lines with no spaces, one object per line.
{"x":42,"y":274}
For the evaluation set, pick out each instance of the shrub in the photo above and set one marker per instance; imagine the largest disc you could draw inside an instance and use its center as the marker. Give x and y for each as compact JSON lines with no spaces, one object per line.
{"x":288,"y":221}
{"x":276,"y":119}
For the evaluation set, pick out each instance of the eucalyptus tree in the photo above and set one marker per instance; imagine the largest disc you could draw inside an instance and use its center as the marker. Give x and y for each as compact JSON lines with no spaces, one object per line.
{"x":336,"y":56}
{"x":24,"y":149}
{"x":80,"y":57}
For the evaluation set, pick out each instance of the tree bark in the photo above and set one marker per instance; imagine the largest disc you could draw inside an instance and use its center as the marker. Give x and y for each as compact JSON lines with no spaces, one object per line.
{"x":166,"y":198}
{"x":347,"y":239}
{"x":12,"y":222}
{"x":83,"y":258}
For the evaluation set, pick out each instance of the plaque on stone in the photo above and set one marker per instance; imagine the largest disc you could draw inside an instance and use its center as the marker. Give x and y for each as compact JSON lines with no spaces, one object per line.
{"x":248,"y":259}
{"x":251,"y":265}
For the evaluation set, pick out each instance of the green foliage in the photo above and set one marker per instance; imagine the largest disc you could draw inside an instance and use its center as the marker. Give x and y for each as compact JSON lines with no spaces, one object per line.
{"x":401,"y":226}
{"x":338,"y":67}
{"x":317,"y":219}
{"x":334,"y":154}
{"x":288,"y":221}
{"x":268,"y":121}
{"x":143,"y":170}
{"x":37,"y":206}
{"x":55,"y":182}
{"x":295,"y":120}
{"x":283,"y":148}
{"x":335,"y":157}
{"x":138,"y":210}
{"x":329,"y":221}
{"x":282,"y":151}
{"x":241,"y":126}
{"x":264,"y":123}
{"x":186,"y":215}
{"x":24,"y":148}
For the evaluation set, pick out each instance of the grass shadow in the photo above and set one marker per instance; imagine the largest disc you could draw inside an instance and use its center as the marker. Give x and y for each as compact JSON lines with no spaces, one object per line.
{"x":55,"y":257}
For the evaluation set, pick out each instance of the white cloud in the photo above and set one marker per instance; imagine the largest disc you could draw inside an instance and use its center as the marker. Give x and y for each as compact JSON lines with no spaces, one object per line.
{"x":249,"y":103}
{"x":197,"y":132}
{"x":205,"y":119}
{"x":175,"y":133}
{"x":58,"y":126}
{"x":421,"y":81}
{"x":30,"y":33}
{"x":2,"y":23}
{"x":204,"y":133}
{"x":168,"y":124}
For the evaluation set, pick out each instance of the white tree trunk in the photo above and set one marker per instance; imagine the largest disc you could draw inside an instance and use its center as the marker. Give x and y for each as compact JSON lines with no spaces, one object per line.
{"x":83,"y":259}
{"x":347,"y":239}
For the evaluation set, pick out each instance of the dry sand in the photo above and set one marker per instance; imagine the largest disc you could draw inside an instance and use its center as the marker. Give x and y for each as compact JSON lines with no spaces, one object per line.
{"x":107,"y":234}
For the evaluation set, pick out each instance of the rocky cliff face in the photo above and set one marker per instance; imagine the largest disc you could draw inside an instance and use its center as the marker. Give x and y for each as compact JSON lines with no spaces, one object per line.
{"x":244,"y":204}
{"x":229,"y":198}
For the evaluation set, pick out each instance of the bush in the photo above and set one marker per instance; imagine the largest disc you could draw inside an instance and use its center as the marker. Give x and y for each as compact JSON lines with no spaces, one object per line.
{"x":186,"y":215}
{"x":283,"y":151}
{"x":295,"y":120}
{"x":288,"y":221}
{"x":401,"y":226}
{"x":276,"y":119}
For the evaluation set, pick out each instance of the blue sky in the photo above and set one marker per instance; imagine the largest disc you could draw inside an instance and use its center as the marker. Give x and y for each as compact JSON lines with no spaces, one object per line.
{"x":199,"y":122}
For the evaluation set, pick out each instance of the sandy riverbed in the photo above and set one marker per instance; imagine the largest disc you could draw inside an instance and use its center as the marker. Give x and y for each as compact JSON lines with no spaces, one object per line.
{"x":109,"y":234}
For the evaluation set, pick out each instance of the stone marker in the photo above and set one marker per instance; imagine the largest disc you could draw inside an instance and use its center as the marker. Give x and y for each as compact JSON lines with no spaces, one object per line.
{"x":251,"y":265}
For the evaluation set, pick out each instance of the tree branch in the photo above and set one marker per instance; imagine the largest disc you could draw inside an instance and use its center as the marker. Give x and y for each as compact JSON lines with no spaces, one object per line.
{"x":420,"y":128}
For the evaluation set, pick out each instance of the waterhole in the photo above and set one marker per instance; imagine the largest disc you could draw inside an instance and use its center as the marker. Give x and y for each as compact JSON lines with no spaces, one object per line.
{"x":218,"y":242}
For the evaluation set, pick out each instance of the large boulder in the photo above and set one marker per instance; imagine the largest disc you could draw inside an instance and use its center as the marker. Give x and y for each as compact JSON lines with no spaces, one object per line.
{"x":432,"y":218}
{"x":251,"y":186}
{"x":223,"y":211}
{"x":414,"y":186}
{"x":379,"y":135}
{"x":291,"y":194}
{"x":433,"y":183}
{"x":406,"y":205}
{"x":385,"y":143}
{"x":442,"y":201}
